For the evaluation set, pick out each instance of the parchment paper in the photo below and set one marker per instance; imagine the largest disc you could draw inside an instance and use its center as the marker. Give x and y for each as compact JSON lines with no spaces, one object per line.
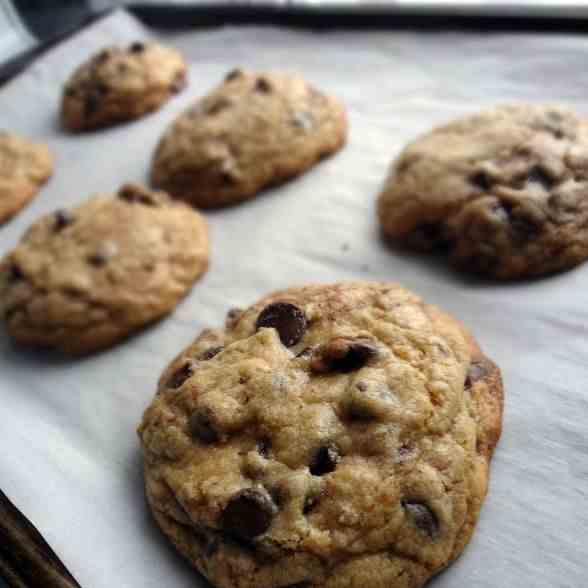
{"x":69,"y":455}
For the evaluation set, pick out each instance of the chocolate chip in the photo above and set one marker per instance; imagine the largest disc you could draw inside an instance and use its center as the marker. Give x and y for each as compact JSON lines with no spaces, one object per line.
{"x":263,"y":86}
{"x":303,"y":120}
{"x":538,"y":175}
{"x":137,"y":47}
{"x":233,"y":75}
{"x":135,"y":194}
{"x":180,"y":376}
{"x":325,"y":460}
{"x":103,"y":254}
{"x":233,"y":316}
{"x":263,"y":447}
{"x":15,"y":273}
{"x":286,"y":318}
{"x":212,"y":546}
{"x":201,"y":425}
{"x":62,"y":218}
{"x":70,"y":92}
{"x":344,"y":355}
{"x":422,"y":516}
{"x":477,"y":371}
{"x":523,"y":229}
{"x":210,"y":353}
{"x":91,"y":104}
{"x":178,"y":83}
{"x":481,"y":180}
{"x":249,"y":513}
{"x":427,"y":236}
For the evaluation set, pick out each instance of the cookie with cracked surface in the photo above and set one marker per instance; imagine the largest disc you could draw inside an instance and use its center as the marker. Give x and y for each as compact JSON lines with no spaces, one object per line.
{"x":506,"y":191}
{"x":262,"y":433}
{"x":253,"y":131}
{"x":24,"y":167}
{"x":120,"y":84}
{"x":82,"y":279}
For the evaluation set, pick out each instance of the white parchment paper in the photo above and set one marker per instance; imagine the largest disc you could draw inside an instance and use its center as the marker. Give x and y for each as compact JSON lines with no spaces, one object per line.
{"x":69,"y":456}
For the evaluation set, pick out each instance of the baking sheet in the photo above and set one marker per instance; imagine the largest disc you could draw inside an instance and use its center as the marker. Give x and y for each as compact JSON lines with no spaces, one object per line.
{"x":69,"y":456}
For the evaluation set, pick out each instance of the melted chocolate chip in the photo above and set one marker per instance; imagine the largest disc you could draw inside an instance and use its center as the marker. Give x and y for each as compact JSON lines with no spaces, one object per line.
{"x":343,"y":355}
{"x":202,"y":426}
{"x":477,"y":371}
{"x":286,"y":318}
{"x":249,"y":513}
{"x":481,"y":180}
{"x":137,"y":47}
{"x":210,"y":353}
{"x":233,"y":75}
{"x":422,"y":516}
{"x":263,"y":86}
{"x":180,"y":376}
{"x":325,"y":460}
{"x":538,"y":175}
{"x":264,"y":446}
{"x":62,"y":219}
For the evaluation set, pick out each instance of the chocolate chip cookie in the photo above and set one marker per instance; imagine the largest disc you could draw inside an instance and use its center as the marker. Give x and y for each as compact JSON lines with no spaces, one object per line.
{"x":120,"y":84}
{"x":328,"y":436}
{"x":504,"y":191}
{"x":81,"y":279}
{"x":24,"y":167}
{"x":253,"y":131}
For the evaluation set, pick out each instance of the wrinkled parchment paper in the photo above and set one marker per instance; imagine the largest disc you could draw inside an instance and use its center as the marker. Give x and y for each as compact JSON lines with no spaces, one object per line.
{"x":69,"y":455}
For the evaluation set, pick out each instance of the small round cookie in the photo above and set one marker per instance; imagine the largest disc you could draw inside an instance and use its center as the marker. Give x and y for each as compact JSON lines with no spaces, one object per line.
{"x":253,"y":131}
{"x":121,"y":84}
{"x":506,"y":191}
{"x":24,"y":167}
{"x":329,"y":436}
{"x":82,"y":279}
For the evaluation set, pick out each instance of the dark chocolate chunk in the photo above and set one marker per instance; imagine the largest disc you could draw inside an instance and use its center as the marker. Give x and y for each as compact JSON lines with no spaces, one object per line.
{"x":325,"y":460}
{"x":202,"y":426}
{"x":481,"y":180}
{"x":422,"y":516}
{"x":210,"y":353}
{"x":249,"y":513}
{"x":310,"y":503}
{"x":476,"y":372}
{"x":91,"y":104}
{"x":62,"y":218}
{"x":286,"y":318}
{"x":263,"y":86}
{"x":137,"y":47}
{"x":181,"y":375}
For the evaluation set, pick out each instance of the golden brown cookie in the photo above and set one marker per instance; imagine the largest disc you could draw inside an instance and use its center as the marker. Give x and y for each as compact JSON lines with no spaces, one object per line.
{"x":24,"y":167}
{"x":120,"y":84}
{"x":253,"y":131}
{"x":81,"y":279}
{"x":505,"y":191}
{"x":330,"y":436}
